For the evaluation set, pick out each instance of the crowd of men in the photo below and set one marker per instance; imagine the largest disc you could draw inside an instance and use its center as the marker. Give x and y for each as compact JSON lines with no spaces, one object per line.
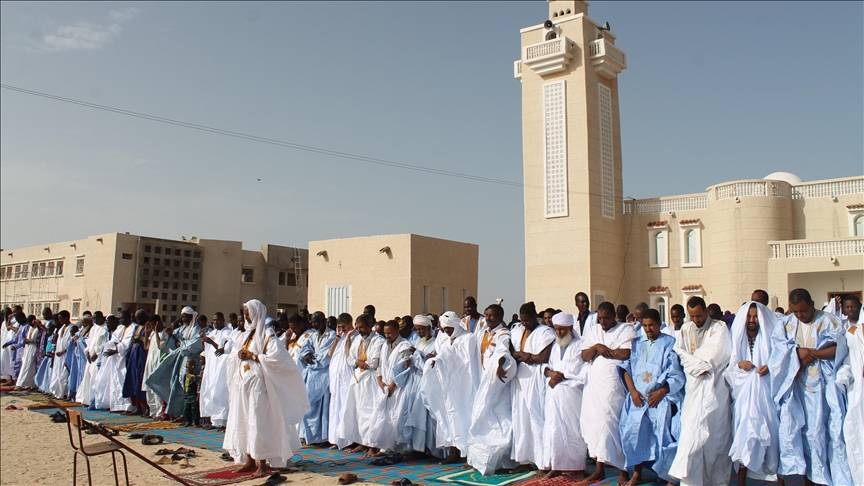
{"x":759,"y":392}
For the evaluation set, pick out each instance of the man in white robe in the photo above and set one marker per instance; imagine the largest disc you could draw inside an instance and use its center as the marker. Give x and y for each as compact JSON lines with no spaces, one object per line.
{"x":108,"y":387}
{"x":677,"y":317}
{"x":449,"y":384}
{"x":472,"y":320}
{"x":59,"y":373}
{"x":213,"y":389}
{"x":267,"y":398}
{"x":99,"y":334}
{"x":851,"y":379}
{"x":491,"y":439}
{"x":155,"y":339}
{"x":605,"y":346}
{"x":364,"y":357}
{"x":391,"y":397}
{"x":755,"y":453}
{"x":340,"y":376}
{"x":7,"y":353}
{"x":564,"y":449}
{"x":418,"y":425}
{"x":300,"y":334}
{"x":706,"y":416}
{"x":531,"y":344}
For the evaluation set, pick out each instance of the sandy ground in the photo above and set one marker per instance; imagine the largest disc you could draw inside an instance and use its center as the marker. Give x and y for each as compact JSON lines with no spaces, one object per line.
{"x":34,"y":450}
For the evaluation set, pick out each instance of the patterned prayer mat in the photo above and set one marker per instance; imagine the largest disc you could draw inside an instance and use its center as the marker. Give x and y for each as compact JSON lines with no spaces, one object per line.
{"x":108,"y":419}
{"x":192,"y":437}
{"x":474,"y":478}
{"x":650,"y":479}
{"x":33,"y":396}
{"x":215,"y":477}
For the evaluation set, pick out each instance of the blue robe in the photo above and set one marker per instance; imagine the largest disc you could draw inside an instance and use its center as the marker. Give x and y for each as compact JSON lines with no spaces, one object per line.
{"x":136,"y":358}
{"x":650,"y":435}
{"x":811,"y":405}
{"x":76,"y":361}
{"x":18,"y":346}
{"x":418,"y":425}
{"x":316,"y":376}
{"x":166,"y":381}
{"x":43,"y":374}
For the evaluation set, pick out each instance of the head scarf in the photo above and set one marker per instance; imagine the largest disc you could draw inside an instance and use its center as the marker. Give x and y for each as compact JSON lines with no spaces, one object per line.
{"x":421,"y":320}
{"x":404,"y":324}
{"x":189,"y":310}
{"x":258,"y":315}
{"x":451,"y":320}
{"x":562,"y":319}
{"x":740,"y":347}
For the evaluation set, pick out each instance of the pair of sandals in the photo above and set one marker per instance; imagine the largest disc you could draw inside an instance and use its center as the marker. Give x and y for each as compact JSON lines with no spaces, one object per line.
{"x":387,"y":460}
{"x":147,"y":439}
{"x":348,"y":478}
{"x":275,"y":478}
{"x":181,"y":461}
{"x":58,"y":417}
{"x":183,"y":452}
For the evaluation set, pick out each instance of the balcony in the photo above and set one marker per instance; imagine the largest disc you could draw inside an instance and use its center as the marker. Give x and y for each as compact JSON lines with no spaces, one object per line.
{"x":608,"y":60}
{"x":830,"y":249}
{"x":517,"y":70}
{"x":548,"y":57}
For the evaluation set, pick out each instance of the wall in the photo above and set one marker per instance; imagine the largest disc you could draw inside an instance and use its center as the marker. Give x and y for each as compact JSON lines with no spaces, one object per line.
{"x":438,"y":263}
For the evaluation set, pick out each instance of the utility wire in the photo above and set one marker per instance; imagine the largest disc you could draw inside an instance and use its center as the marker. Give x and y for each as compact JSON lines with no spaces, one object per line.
{"x":281,"y":143}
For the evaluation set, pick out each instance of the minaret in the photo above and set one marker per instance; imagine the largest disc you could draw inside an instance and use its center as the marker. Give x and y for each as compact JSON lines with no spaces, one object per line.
{"x":571,"y":136}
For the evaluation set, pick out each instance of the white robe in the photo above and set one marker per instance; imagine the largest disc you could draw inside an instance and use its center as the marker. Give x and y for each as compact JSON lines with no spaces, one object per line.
{"x":706,"y":417}
{"x":851,"y":377}
{"x":360,"y":405}
{"x":7,"y":368}
{"x":491,"y":435}
{"x":529,"y":394}
{"x":295,"y":347}
{"x":154,"y":357}
{"x":755,"y":422}
{"x":59,"y":373}
{"x":267,"y":397}
{"x":601,"y":415}
{"x":27,"y":374}
{"x":108,"y":387}
{"x":97,"y":337}
{"x":340,"y":377}
{"x":386,"y":421}
{"x":213,"y":390}
{"x":564,"y":449}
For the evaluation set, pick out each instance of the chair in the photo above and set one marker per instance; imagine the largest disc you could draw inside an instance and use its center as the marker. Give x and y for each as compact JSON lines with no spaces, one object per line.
{"x":74,"y":419}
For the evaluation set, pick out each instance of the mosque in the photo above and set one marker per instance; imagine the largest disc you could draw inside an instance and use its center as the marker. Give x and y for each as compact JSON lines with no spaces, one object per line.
{"x":721,"y":243}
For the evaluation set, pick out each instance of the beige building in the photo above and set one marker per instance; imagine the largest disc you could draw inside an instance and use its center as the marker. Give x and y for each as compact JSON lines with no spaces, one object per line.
{"x":121,"y":271}
{"x":398,"y":274}
{"x":776,"y":233}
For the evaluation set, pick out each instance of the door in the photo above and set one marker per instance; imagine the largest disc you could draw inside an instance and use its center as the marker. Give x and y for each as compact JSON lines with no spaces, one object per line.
{"x":338,"y":297}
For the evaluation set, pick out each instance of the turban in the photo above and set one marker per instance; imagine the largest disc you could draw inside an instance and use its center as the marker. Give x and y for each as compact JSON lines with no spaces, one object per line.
{"x":449,"y":319}
{"x":562,"y":319}
{"x":421,"y":320}
{"x":189,"y":310}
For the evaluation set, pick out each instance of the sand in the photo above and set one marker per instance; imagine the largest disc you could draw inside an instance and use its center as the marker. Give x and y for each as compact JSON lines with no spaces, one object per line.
{"x":34,"y":450}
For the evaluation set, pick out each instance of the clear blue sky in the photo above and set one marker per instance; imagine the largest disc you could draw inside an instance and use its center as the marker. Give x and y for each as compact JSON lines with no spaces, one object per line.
{"x":714,"y":91}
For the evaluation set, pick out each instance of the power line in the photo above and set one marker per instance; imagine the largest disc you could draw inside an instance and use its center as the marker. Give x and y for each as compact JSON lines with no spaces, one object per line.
{"x":281,"y":143}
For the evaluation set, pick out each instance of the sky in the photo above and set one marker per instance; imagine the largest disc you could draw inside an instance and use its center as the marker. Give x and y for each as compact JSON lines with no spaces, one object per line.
{"x":713,"y":92}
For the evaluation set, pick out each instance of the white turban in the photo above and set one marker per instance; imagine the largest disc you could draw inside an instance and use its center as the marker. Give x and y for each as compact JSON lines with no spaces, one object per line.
{"x":562,"y":319}
{"x":449,"y":319}
{"x":258,"y":315}
{"x":421,"y":320}
{"x":189,"y":310}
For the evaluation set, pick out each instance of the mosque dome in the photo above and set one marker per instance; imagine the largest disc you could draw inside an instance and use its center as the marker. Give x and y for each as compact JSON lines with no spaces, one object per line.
{"x":784,"y":176}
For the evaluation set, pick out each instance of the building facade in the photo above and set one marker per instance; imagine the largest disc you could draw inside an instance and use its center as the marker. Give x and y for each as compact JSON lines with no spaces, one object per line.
{"x":776,"y":233}
{"x":116,"y":271}
{"x":398,"y":274}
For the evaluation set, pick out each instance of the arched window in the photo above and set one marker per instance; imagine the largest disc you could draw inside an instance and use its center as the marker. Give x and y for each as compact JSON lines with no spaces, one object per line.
{"x":858,"y":224}
{"x":661,"y":308}
{"x":660,"y":248}
{"x":691,"y":246}
{"x":551,"y":35}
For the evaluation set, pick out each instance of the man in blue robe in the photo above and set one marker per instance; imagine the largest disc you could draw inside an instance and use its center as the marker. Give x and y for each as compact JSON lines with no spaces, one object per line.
{"x":135,"y":361}
{"x":76,"y":358}
{"x":650,"y":423}
{"x":807,"y":350}
{"x":181,"y":345}
{"x":316,"y":376}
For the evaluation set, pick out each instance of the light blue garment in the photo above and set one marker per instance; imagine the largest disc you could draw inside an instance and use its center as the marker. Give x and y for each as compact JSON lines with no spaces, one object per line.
{"x":166,"y":381}
{"x":416,"y":427}
{"x":811,"y":406}
{"x":316,"y":376}
{"x":76,"y":361}
{"x":650,"y":435}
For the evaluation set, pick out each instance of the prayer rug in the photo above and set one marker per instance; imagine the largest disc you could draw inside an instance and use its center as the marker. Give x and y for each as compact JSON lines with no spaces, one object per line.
{"x":650,"y":479}
{"x":336,"y":463}
{"x":103,"y":417}
{"x":215,"y":477}
{"x":474,"y":478}
{"x":192,"y":437}
{"x":33,"y":396}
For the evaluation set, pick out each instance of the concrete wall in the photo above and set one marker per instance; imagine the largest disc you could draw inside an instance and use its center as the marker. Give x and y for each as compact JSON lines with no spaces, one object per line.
{"x":440,"y":264}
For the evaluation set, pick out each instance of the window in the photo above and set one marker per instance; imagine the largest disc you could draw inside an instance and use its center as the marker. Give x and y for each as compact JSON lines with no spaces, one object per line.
{"x":146,"y":248}
{"x":50,"y":268}
{"x":158,"y":250}
{"x":164,"y":296}
{"x":167,"y":262}
{"x":154,"y":295}
{"x":173,"y":296}
{"x":691,"y":243}
{"x":176,"y":274}
{"x":34,"y":270}
{"x":42,"y":267}
{"x":185,"y":264}
{"x":858,"y":225}
{"x":59,"y":269}
{"x":196,"y":265}
{"x":79,"y":266}
{"x":76,"y":309}
{"x":164,"y":307}
{"x":165,"y":284}
{"x":146,"y":260}
{"x":287,"y":278}
{"x":197,"y":254}
{"x":185,"y":297}
{"x":427,"y":296}
{"x":176,"y":263}
{"x":173,"y":308}
{"x":185,"y":286}
{"x":194,"y":287}
{"x":145,"y":283}
{"x":177,"y":252}
{"x":155,"y":284}
{"x":187,"y":253}
{"x":157,"y":261}
{"x":175,"y":286}
{"x":156,"y":272}
{"x":247,"y":275}
{"x":185,"y":274}
{"x":194,"y":298}
{"x":658,"y":248}
{"x":145,"y":272}
{"x":194,"y":276}
{"x":445,"y":297}
{"x":661,"y":308}
{"x":126,"y":256}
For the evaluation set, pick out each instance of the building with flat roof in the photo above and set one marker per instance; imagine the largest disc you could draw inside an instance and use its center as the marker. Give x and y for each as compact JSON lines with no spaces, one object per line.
{"x":776,"y":233}
{"x":398,"y":274}
{"x":118,"y":271}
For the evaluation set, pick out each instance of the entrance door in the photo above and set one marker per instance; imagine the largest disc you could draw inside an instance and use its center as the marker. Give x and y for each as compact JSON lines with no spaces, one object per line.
{"x":338,"y":299}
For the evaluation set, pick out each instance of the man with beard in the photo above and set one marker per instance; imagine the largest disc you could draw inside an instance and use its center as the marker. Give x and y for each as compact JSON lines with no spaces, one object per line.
{"x":364,"y":357}
{"x":316,"y":376}
{"x":214,"y":382}
{"x":340,"y":375}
